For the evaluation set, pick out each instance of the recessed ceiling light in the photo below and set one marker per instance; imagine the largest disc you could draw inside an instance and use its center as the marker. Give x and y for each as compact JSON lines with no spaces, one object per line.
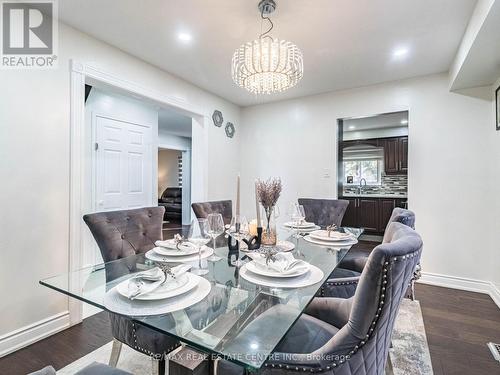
{"x":184,"y":37}
{"x":404,"y":122}
{"x":352,"y":127}
{"x":400,"y":53}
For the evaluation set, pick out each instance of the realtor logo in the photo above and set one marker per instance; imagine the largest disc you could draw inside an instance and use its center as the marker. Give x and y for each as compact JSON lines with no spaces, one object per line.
{"x":29,"y":31}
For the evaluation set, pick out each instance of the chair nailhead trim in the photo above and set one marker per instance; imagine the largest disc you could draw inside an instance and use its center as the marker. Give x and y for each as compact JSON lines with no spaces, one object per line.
{"x":373,"y":324}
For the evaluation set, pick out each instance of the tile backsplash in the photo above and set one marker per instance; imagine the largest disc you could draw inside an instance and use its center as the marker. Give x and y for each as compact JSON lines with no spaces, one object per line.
{"x":397,"y":185}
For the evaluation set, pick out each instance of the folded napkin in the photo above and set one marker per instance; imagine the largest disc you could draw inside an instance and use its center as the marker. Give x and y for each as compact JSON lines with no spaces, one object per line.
{"x":150,"y":280}
{"x":283,"y":263}
{"x":301,"y":224}
{"x":172,"y":244}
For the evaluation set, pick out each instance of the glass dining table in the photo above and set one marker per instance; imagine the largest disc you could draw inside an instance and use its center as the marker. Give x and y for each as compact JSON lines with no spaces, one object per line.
{"x":225,"y":324}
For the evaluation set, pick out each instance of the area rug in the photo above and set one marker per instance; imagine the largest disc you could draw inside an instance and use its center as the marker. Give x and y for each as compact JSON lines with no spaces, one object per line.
{"x":409,"y":354}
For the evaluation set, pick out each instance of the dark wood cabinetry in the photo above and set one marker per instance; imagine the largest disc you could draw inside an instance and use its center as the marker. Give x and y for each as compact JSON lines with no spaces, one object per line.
{"x":403,"y":154}
{"x":368,"y":214}
{"x":351,"y":214}
{"x":395,"y":152}
{"x":372,"y":214}
{"x":395,"y":155}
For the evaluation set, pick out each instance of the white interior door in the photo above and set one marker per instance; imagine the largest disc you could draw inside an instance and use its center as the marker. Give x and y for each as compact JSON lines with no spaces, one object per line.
{"x":123,"y":164}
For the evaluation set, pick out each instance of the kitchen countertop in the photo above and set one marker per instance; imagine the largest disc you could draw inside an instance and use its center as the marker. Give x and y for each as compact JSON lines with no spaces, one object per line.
{"x":391,"y":196}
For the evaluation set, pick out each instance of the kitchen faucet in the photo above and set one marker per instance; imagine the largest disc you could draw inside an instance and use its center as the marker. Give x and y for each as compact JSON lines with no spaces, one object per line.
{"x":361,"y":185}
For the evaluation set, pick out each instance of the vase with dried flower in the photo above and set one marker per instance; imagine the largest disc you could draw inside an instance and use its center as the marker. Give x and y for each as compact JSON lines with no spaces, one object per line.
{"x":268,"y":193}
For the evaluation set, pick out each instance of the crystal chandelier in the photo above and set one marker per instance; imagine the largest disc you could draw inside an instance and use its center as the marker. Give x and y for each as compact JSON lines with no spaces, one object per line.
{"x":267,"y":65}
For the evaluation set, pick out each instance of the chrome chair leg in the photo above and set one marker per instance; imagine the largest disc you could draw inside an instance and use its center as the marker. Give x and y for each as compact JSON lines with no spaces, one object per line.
{"x":159,"y":366}
{"x":115,"y":353}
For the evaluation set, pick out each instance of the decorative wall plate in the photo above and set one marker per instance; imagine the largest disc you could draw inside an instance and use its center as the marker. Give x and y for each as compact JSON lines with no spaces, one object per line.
{"x":230,"y":130}
{"x":218,"y":118}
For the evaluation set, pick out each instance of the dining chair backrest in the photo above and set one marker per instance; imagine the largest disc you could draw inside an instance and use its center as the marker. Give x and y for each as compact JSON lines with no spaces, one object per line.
{"x":324,"y":212}
{"x":120,"y":234}
{"x":400,"y":215}
{"x":364,"y":341}
{"x":203,"y":209}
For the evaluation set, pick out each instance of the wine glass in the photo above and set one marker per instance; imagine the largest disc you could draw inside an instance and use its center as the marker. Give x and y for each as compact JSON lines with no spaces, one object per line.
{"x":215,"y":229}
{"x":297,"y":215}
{"x":239,"y":230}
{"x":199,"y":236}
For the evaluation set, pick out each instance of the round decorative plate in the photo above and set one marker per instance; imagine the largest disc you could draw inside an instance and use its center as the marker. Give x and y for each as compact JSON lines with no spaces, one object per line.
{"x":155,"y":257}
{"x":260,"y":270}
{"x":115,"y":302}
{"x":313,"y":276}
{"x":338,"y":244}
{"x":322,"y":235}
{"x":170,"y":289}
{"x":187,"y":250}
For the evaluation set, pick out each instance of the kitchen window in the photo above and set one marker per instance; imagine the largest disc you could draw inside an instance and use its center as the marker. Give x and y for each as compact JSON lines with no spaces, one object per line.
{"x":363,"y":162}
{"x":370,"y":170}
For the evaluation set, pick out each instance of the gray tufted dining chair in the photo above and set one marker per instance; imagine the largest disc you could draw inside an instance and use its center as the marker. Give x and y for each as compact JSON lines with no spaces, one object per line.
{"x":346,"y":277}
{"x":203,"y":209}
{"x":324,"y":212}
{"x":347,"y":336}
{"x":121,"y":234}
{"x":225,"y":208}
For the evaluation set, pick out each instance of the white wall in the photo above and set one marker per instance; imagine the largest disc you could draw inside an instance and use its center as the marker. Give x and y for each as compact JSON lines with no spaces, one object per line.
{"x":176,"y":142}
{"x":34,"y":167}
{"x":168,"y":169}
{"x":453,"y":162}
{"x":494,"y":191}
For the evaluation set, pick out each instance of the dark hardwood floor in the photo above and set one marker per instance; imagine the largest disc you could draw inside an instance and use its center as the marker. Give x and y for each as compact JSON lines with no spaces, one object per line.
{"x":458,"y":326}
{"x":60,"y":349}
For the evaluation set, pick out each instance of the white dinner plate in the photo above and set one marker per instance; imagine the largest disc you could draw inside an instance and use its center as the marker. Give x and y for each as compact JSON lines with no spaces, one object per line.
{"x":115,"y":302}
{"x":155,"y":257}
{"x":183,"y":284}
{"x":322,"y":235}
{"x":338,"y":244}
{"x":304,"y":225}
{"x":172,"y":244}
{"x":313,"y":276}
{"x":186,"y":250}
{"x":285,"y":246}
{"x":262,"y":271}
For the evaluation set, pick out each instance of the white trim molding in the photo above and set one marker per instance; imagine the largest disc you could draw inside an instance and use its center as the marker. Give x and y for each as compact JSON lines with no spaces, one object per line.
{"x":29,"y":334}
{"x":462,"y":283}
{"x":82,"y":73}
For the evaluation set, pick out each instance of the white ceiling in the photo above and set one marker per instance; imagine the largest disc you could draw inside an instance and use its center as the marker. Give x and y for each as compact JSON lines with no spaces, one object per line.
{"x":171,"y":122}
{"x":345,"y":43}
{"x":388,"y":120}
{"x":478,"y":63}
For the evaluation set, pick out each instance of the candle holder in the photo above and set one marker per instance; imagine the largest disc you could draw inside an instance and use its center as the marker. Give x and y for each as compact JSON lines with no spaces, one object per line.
{"x":254,"y":242}
{"x":232,"y":243}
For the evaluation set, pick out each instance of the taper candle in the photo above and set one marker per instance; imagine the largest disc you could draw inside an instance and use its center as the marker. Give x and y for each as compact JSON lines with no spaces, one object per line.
{"x":257,"y":206}
{"x":238,"y":197}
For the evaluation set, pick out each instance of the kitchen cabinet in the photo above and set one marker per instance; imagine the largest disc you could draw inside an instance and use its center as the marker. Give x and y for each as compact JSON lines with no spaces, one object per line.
{"x":395,"y":155}
{"x":350,"y":218}
{"x":372,"y":214}
{"x":368,"y":214}
{"x":403,"y":154}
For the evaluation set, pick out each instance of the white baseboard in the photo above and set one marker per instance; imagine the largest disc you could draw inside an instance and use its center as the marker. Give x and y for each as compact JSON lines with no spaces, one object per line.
{"x":29,"y":334}
{"x":462,"y":283}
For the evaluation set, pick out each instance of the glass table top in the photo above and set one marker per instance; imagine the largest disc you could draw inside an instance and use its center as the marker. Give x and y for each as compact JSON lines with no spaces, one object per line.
{"x":226,"y":322}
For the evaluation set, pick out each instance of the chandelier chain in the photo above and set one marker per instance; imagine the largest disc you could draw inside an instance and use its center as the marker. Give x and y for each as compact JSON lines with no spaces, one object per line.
{"x":265,"y":35}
